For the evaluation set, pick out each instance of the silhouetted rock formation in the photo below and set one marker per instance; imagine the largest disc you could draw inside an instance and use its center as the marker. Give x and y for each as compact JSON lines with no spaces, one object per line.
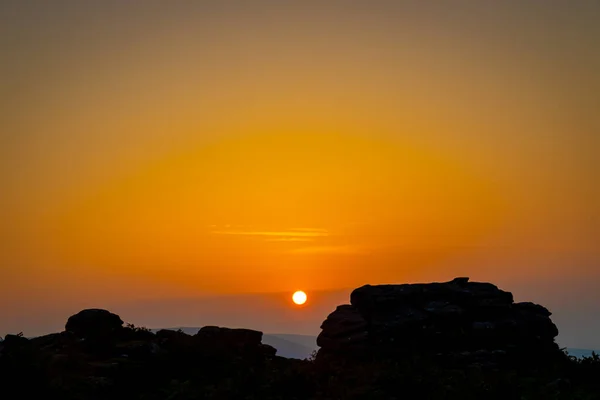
{"x":395,"y":332}
{"x":467,"y":321}
{"x":101,"y":358}
{"x":213,"y":341}
{"x":94,"y":323}
{"x":243,"y":339}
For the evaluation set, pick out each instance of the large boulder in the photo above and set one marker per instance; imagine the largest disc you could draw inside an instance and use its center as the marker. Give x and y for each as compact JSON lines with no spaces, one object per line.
{"x":94,"y":324}
{"x":451,"y":318}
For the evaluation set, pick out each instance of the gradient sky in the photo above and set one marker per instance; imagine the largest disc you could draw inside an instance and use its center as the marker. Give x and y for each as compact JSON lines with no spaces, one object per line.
{"x":152,"y":151}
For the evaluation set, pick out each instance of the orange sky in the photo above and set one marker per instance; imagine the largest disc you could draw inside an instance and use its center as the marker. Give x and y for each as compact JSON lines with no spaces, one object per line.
{"x":171,"y":150}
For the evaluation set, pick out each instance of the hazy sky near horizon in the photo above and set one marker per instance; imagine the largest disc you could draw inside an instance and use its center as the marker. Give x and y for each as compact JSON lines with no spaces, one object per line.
{"x":155,"y":149}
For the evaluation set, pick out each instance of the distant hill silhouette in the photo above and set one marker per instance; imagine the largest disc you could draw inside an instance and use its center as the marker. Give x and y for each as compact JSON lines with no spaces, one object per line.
{"x":291,"y":345}
{"x":304,"y":340}
{"x":288,"y":348}
{"x":581,"y":353}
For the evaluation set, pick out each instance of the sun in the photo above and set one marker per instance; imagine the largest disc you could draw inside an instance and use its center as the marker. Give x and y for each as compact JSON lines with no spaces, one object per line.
{"x":299,"y":297}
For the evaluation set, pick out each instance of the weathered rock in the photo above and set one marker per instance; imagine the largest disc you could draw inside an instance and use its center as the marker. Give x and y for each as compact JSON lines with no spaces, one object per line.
{"x":343,"y":328}
{"x":533,"y":308}
{"x":138,"y":349}
{"x":460,"y":292}
{"x":444,"y":309}
{"x":15,"y":341}
{"x":168,"y":334}
{"x":351,"y":341}
{"x":267,"y":350}
{"x":233,"y":341}
{"x":54,"y":341}
{"x":474,"y":319}
{"x":343,"y":321}
{"x":94,"y":324}
{"x":234,"y":337}
{"x":14,"y":344}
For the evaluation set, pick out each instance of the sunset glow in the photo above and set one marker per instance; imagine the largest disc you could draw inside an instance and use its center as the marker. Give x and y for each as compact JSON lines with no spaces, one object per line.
{"x":213,"y":149}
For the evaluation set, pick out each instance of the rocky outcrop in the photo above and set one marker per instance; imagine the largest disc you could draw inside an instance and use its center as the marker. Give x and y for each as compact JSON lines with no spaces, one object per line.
{"x":94,"y":324}
{"x":385,"y":323}
{"x":217,"y":341}
{"x":344,"y":330}
{"x":459,"y":319}
{"x":97,"y":353}
{"x":233,"y":337}
{"x":247,"y":340}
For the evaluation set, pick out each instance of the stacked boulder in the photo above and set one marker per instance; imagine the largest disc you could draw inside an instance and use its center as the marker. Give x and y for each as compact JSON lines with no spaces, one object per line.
{"x":460,"y":319}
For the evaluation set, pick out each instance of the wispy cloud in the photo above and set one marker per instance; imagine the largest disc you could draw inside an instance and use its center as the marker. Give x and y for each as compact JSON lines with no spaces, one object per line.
{"x":273,"y":233}
{"x":285,"y":235}
{"x":290,"y":239}
{"x":328,"y":250}
{"x":309,"y":230}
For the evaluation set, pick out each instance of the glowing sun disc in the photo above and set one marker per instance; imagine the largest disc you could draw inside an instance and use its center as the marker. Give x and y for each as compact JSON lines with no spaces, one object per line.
{"x":299,"y":297}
